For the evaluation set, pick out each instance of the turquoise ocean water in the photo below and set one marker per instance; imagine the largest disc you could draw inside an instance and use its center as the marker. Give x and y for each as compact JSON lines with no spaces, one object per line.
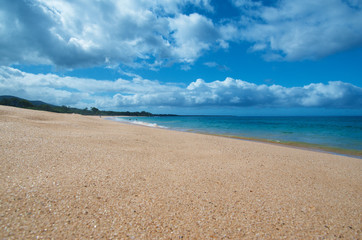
{"x":329,"y":132}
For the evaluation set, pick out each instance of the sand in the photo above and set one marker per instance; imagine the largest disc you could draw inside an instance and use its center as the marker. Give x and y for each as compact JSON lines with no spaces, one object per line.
{"x":66,"y":176}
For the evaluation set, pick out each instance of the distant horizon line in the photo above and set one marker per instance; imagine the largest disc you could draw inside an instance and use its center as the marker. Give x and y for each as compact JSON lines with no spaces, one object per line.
{"x":230,"y":115}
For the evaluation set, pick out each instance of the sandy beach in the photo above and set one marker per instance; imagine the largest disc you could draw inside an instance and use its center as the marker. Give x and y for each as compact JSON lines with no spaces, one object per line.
{"x":66,"y":176}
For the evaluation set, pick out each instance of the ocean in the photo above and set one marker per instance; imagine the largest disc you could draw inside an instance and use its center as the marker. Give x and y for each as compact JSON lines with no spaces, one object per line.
{"x":342,"y":134}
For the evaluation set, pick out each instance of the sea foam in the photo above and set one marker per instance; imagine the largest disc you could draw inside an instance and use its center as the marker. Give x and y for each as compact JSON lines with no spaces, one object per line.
{"x":146,"y":124}
{"x":135,"y":122}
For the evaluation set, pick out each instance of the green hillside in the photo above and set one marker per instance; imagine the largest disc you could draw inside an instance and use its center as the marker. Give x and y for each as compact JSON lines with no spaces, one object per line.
{"x":39,"y":105}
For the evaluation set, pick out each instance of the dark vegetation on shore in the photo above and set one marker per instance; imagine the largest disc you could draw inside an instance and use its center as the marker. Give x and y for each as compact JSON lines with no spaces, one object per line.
{"x":39,"y":105}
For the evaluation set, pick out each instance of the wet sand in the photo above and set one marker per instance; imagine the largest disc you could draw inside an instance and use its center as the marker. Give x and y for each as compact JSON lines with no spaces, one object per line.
{"x":66,"y":176}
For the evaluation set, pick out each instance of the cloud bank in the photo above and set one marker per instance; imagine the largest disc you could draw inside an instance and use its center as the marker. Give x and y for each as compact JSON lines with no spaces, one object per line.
{"x":139,"y":92}
{"x":142,"y":33}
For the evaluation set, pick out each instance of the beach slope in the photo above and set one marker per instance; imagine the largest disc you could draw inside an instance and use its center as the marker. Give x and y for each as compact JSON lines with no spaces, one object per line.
{"x":67,"y":176}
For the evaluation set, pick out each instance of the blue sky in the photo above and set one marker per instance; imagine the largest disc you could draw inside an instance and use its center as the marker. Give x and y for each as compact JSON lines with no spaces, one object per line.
{"x":241,"y":57}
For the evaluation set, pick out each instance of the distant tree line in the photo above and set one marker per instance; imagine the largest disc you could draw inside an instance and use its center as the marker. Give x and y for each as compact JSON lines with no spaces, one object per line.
{"x":23,"y":103}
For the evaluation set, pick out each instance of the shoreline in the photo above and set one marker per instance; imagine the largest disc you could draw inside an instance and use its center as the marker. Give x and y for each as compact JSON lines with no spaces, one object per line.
{"x":300,"y":145}
{"x":292,"y":144}
{"x":67,"y":176}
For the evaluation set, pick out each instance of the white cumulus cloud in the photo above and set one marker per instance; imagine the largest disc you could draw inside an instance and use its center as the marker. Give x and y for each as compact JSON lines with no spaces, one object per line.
{"x":81,"y":33}
{"x":139,"y":92}
{"x":192,"y":34}
{"x":301,"y":29}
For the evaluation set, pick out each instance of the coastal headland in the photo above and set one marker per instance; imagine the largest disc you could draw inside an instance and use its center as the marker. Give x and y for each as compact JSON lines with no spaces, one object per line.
{"x":68,"y":176}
